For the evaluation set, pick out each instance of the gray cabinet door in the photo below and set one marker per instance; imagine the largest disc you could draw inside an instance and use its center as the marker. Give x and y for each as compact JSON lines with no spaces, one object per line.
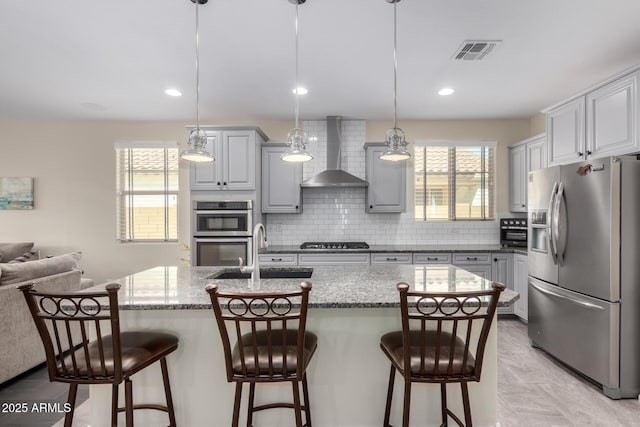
{"x":281,"y":192}
{"x":565,"y":132}
{"x":536,"y":154}
{"x":387,"y":182}
{"x":612,"y":118}
{"x":239,"y":160}
{"x":502,"y":272}
{"x":208,"y":176}
{"x":520,"y":278}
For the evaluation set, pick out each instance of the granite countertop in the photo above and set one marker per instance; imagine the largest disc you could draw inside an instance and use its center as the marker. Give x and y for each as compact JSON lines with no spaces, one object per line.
{"x":275,"y":249}
{"x":336,"y":286}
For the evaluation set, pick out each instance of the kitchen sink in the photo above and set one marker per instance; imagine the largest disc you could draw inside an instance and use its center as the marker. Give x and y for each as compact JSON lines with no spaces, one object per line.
{"x":266,"y":273}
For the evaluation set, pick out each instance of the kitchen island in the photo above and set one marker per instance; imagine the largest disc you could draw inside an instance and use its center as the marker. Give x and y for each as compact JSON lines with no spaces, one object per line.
{"x":350,"y":308}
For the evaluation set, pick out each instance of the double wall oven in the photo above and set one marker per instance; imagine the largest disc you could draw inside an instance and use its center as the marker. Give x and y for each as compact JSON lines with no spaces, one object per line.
{"x":221,"y":232}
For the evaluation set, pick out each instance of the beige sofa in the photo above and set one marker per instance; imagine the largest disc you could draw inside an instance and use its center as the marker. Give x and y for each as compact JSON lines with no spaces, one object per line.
{"x":20,"y":345}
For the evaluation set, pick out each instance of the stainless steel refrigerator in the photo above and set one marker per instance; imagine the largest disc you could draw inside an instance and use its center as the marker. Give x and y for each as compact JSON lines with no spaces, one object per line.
{"x":584,"y":269}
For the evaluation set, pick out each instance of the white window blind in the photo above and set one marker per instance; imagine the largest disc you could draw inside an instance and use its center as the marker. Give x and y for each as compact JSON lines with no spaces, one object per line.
{"x":147,"y":191}
{"x":454,"y":180}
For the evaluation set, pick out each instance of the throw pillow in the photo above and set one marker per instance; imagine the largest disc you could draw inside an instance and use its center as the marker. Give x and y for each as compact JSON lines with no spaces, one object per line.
{"x":22,"y":271}
{"x":27,"y":256}
{"x":11,"y":250}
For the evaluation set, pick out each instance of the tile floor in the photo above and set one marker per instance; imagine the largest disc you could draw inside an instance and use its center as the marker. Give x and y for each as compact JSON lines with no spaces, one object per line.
{"x":533,"y":390}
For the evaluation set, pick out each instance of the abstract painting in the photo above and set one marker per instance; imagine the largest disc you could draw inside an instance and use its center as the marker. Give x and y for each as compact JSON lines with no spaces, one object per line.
{"x":16,"y":193}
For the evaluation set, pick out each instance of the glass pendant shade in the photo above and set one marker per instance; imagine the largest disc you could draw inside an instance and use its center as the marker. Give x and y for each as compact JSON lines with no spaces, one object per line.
{"x":197,"y":147}
{"x":297,"y":151}
{"x":397,"y":146}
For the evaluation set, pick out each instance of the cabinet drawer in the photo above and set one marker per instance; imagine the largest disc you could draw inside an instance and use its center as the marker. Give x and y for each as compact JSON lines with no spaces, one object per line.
{"x":472,"y":258}
{"x":333,"y":259}
{"x":278,"y":259}
{"x":391,"y":258}
{"x":432,"y":258}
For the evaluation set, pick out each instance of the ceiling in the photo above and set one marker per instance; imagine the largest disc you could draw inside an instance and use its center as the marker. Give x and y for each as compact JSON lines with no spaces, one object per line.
{"x":112,"y":60}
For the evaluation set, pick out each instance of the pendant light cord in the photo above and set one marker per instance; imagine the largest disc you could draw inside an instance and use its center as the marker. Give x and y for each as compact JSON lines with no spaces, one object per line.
{"x":197,"y":70}
{"x":395,"y":63}
{"x":297,"y":95}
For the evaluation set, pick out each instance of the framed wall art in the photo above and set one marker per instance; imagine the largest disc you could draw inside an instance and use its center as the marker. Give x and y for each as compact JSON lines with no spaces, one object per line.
{"x":16,"y":193}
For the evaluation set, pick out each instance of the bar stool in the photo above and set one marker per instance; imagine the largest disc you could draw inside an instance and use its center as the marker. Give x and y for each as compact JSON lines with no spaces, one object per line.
{"x":436,"y":344}
{"x":109,"y":359}
{"x":271,"y":344}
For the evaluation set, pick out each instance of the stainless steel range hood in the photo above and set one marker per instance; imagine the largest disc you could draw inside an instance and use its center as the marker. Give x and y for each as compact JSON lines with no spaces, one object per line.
{"x":334,"y":176}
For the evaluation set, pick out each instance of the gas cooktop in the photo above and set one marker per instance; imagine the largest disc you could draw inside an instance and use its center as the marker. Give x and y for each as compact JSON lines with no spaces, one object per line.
{"x":334,"y":245}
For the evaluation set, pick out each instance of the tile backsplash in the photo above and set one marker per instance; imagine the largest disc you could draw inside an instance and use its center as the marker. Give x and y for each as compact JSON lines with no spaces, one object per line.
{"x":337,"y":214}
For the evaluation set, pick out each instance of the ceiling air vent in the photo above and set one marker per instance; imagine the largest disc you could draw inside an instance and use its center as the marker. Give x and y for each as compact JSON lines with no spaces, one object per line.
{"x":475,"y":50}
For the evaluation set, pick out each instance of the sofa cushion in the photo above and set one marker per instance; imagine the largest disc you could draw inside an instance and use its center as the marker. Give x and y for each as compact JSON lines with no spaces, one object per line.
{"x":27,"y":256}
{"x":11,"y":250}
{"x":19,"y":272}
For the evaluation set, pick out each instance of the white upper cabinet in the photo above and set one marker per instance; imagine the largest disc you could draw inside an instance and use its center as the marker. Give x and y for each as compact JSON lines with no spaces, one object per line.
{"x":387,"y":182}
{"x":603,"y":122}
{"x":612,"y":118}
{"x":281,"y":192}
{"x":565,"y":133}
{"x":517,"y":178}
{"x":524,"y":157}
{"x":536,"y":153}
{"x":234,"y":167}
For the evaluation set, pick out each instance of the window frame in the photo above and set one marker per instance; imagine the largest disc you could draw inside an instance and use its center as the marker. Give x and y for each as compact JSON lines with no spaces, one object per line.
{"x":122,"y":193}
{"x":487,"y":170}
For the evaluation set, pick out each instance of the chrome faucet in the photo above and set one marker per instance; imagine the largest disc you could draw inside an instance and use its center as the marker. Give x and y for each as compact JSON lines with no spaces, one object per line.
{"x":258,"y":243}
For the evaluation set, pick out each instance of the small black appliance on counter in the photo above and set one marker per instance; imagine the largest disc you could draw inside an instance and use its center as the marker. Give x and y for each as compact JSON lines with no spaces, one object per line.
{"x":513,"y":232}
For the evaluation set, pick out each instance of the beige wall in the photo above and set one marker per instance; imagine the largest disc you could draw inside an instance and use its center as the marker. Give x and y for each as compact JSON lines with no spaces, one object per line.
{"x":538,"y":124}
{"x":505,"y":132}
{"x":73,"y":164}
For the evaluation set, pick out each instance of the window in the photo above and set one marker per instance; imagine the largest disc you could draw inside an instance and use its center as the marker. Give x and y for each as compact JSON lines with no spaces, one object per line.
{"x":454,"y":181}
{"x":147,"y":191}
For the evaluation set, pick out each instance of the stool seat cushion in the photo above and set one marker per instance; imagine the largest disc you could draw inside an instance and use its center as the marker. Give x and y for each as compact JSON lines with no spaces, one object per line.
{"x":391,"y":344}
{"x":269,"y":347}
{"x":139,"y":349}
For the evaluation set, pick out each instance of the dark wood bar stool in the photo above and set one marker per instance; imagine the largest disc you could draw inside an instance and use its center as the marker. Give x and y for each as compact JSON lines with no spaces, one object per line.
{"x":270,"y":344}
{"x":437,"y":345}
{"x":109,"y":359}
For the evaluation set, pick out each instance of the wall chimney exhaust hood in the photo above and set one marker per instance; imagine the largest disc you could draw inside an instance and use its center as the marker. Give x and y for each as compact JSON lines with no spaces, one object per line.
{"x":334,"y":176}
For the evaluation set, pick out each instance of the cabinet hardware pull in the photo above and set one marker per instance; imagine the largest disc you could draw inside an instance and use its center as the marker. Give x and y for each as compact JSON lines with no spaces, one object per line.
{"x":224,"y":183}
{"x":276,"y":259}
{"x":296,"y":206}
{"x":218,"y":182}
{"x":524,"y":206}
{"x":370,"y":206}
{"x":432,"y":259}
{"x":580,"y":153}
{"x":392,"y":259}
{"x":495,"y":260}
{"x":588,"y":153}
{"x":475,"y":258}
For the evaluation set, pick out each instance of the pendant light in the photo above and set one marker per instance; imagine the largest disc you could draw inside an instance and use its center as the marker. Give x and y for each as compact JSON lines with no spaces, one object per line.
{"x":296,"y":138}
{"x":396,"y":144}
{"x":197,"y":146}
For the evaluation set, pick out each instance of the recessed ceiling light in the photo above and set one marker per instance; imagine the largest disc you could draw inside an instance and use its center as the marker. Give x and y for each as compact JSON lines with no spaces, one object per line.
{"x":300,"y":91}
{"x":173,"y":92}
{"x":445,"y":91}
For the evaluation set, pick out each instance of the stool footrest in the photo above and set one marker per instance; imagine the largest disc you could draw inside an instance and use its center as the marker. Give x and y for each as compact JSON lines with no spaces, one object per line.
{"x":276,"y":405}
{"x":146,"y":406}
{"x":455,"y":417}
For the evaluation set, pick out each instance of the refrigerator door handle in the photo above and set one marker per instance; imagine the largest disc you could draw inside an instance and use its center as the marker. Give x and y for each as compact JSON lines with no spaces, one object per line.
{"x":560,"y":224}
{"x":550,"y":235}
{"x":564,"y":297}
